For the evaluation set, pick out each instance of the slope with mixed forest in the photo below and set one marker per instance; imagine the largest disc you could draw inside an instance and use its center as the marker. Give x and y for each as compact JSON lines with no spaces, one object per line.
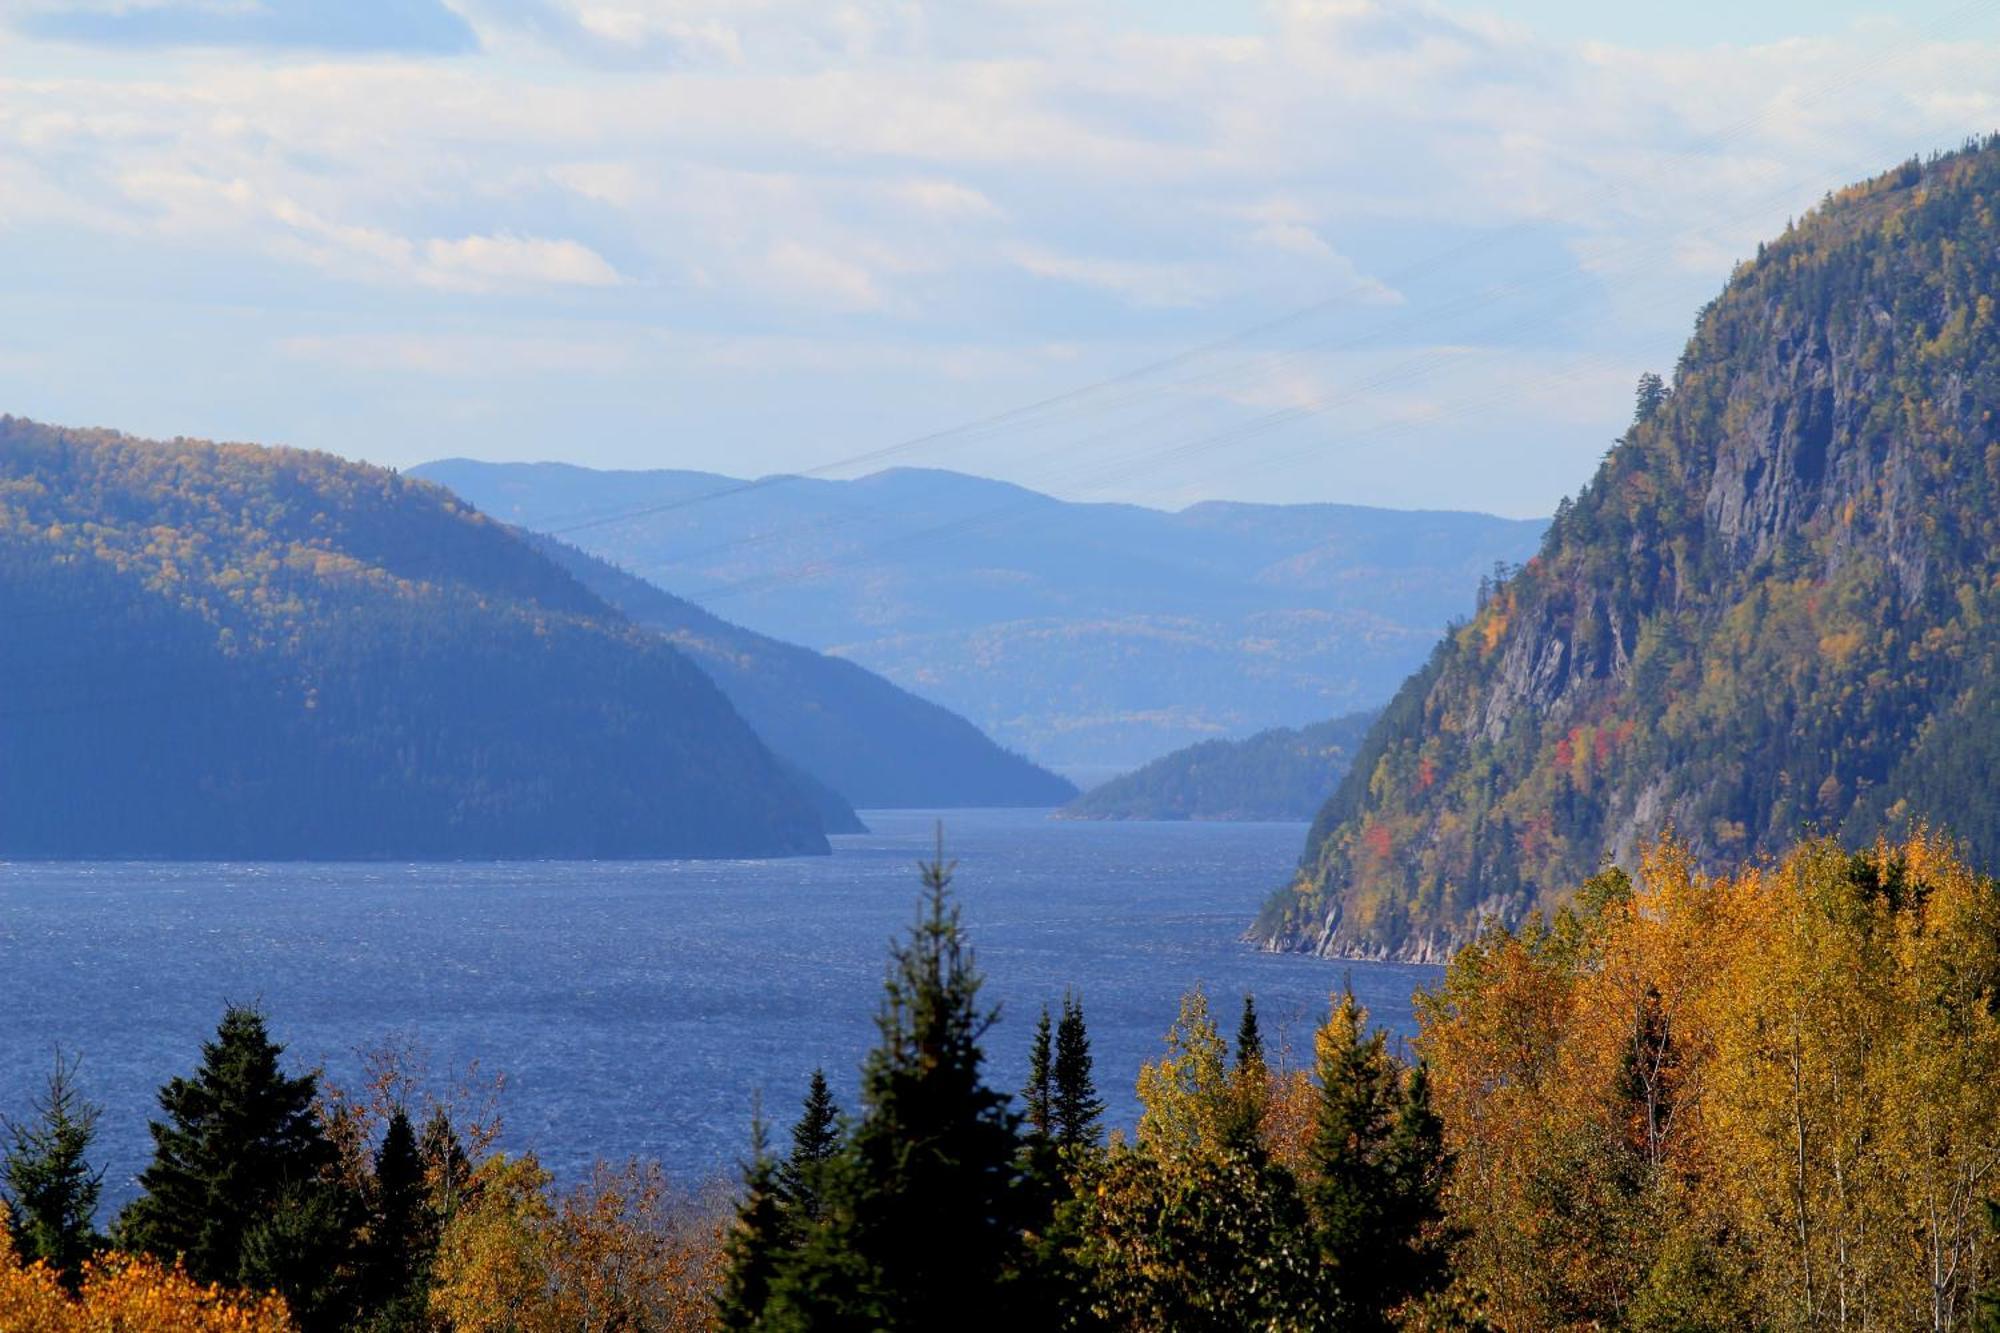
{"x":236,"y":652}
{"x":1776,"y":605}
{"x":1283,"y":773}
{"x":878,"y":746}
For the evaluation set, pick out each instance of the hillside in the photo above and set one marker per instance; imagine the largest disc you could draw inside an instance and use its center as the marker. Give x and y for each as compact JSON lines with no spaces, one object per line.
{"x":1283,"y":773}
{"x":1091,"y":638}
{"x":1773,"y":607}
{"x":227,"y":651}
{"x":878,"y":746}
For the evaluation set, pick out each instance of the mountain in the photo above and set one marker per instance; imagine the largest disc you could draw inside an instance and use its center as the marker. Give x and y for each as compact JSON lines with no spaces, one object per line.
{"x":1776,"y":605}
{"x":878,"y":746}
{"x":1283,"y":773}
{"x":1089,"y":637}
{"x":224,"y":651}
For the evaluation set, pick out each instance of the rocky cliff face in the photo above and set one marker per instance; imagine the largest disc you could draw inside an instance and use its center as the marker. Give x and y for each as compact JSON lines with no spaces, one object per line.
{"x":1772,"y":607}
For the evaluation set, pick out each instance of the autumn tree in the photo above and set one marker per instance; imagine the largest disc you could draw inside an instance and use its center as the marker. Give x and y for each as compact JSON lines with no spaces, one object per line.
{"x":48,"y":1189}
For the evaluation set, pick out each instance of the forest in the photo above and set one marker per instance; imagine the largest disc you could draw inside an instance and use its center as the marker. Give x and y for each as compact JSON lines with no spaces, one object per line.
{"x":1772,"y":609}
{"x":1764,"y":1099}
{"x":227,"y":651}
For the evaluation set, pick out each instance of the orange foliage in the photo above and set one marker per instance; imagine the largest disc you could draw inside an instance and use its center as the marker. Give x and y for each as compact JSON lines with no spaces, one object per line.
{"x":129,"y":1294}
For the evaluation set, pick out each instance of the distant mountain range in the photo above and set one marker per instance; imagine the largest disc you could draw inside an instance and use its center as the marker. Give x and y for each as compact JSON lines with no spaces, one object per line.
{"x":1089,"y":637}
{"x":1283,"y":773}
{"x":223,"y":651}
{"x":876,"y":745}
{"x":1776,"y":606}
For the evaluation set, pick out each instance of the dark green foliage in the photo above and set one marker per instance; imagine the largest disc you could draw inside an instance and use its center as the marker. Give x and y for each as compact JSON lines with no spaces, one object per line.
{"x":402,"y":1232}
{"x":447,"y":1169}
{"x":1283,"y":773}
{"x":1986,"y":1319}
{"x":1775,"y":607}
{"x":1076,"y":1111}
{"x":1648,"y":398}
{"x":1380,"y":1166}
{"x":762,"y":1239}
{"x":1249,"y":1041}
{"x":922,"y":1223}
{"x":48,"y":1190}
{"x":877,"y":745}
{"x":801,"y":1177}
{"x":225,"y":651}
{"x":239,"y":1185}
{"x":1038,"y":1097}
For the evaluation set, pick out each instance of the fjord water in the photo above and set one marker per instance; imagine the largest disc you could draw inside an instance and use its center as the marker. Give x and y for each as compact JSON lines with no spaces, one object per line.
{"x":638,"y":1008}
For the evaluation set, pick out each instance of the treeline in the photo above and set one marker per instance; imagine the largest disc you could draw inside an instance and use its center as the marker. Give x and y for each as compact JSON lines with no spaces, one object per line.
{"x":1768,"y":1101}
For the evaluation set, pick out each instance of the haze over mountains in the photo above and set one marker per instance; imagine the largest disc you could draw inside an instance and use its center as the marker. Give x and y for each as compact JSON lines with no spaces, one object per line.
{"x":1089,"y":637}
{"x":1776,"y":606}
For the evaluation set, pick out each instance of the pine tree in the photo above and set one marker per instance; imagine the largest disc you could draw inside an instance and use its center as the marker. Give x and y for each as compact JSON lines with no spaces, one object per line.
{"x":402,"y":1231}
{"x":48,"y":1191}
{"x":1076,"y":1109}
{"x":758,"y":1244}
{"x":1251,"y":1077}
{"x":1249,"y":1040}
{"x":922,"y":1227}
{"x":1377,"y":1158}
{"x":1039,"y":1095}
{"x":800,"y":1178}
{"x":237,"y":1155}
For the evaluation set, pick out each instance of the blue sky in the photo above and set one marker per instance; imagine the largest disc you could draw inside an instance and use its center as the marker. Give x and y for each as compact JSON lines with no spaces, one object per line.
{"x":1155,"y":250}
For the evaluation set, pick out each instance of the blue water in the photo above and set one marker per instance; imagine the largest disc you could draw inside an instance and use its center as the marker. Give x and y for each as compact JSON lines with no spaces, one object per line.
{"x":637,"y":1008}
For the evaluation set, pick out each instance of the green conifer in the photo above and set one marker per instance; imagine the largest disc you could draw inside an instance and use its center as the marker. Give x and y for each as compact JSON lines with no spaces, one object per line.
{"x":758,"y":1244}
{"x":1076,"y":1111}
{"x":922,"y":1227}
{"x":48,"y":1190}
{"x":237,"y":1155}
{"x":402,"y":1231}
{"x":1039,"y":1094}
{"x":800,"y":1178}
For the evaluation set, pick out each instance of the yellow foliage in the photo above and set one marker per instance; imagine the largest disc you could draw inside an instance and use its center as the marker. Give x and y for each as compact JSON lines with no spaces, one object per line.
{"x":1767,"y":1099}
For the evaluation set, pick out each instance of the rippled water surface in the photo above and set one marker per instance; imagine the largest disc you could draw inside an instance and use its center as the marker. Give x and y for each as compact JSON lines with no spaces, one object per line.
{"x":636,"y":1007}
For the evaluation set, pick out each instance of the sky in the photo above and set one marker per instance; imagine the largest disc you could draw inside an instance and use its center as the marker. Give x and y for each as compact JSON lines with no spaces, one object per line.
{"x":1384,"y":252}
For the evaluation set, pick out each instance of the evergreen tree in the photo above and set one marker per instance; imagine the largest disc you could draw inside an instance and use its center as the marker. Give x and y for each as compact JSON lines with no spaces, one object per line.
{"x":48,"y":1191}
{"x":1650,"y":396}
{"x":1986,"y":1317}
{"x":758,"y":1244}
{"x":800,"y":1178}
{"x":1249,"y":1040}
{"x":1378,"y":1161}
{"x":402,"y":1231}
{"x":1076,"y":1110}
{"x":236,"y":1155}
{"x":922,"y":1226}
{"x":1039,"y":1095}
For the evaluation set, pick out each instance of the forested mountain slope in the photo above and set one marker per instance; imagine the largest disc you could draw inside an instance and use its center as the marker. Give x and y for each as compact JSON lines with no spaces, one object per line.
{"x":875,"y":744}
{"x":229,"y":651}
{"x":1283,"y":773}
{"x":1776,"y":605}
{"x":1091,"y":638}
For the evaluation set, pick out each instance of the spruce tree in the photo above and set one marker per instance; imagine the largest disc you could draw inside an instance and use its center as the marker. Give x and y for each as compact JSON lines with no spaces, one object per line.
{"x":1249,"y":1040}
{"x":1076,"y":1110}
{"x":800,"y":1178}
{"x":1251,"y":1078}
{"x":1377,"y":1156}
{"x":1039,"y":1094}
{"x":922,"y":1228}
{"x":237,"y":1153}
{"x":759,"y":1242}
{"x":48,"y":1190}
{"x":402,"y":1231}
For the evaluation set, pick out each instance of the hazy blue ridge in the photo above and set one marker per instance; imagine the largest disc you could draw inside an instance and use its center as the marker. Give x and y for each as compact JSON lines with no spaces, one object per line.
{"x":1282,"y":773}
{"x":878,"y":746}
{"x":231,"y":652}
{"x":1088,"y":637}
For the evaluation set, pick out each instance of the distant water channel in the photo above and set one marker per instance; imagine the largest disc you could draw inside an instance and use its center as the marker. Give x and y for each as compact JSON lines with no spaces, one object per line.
{"x":636,"y":1007}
